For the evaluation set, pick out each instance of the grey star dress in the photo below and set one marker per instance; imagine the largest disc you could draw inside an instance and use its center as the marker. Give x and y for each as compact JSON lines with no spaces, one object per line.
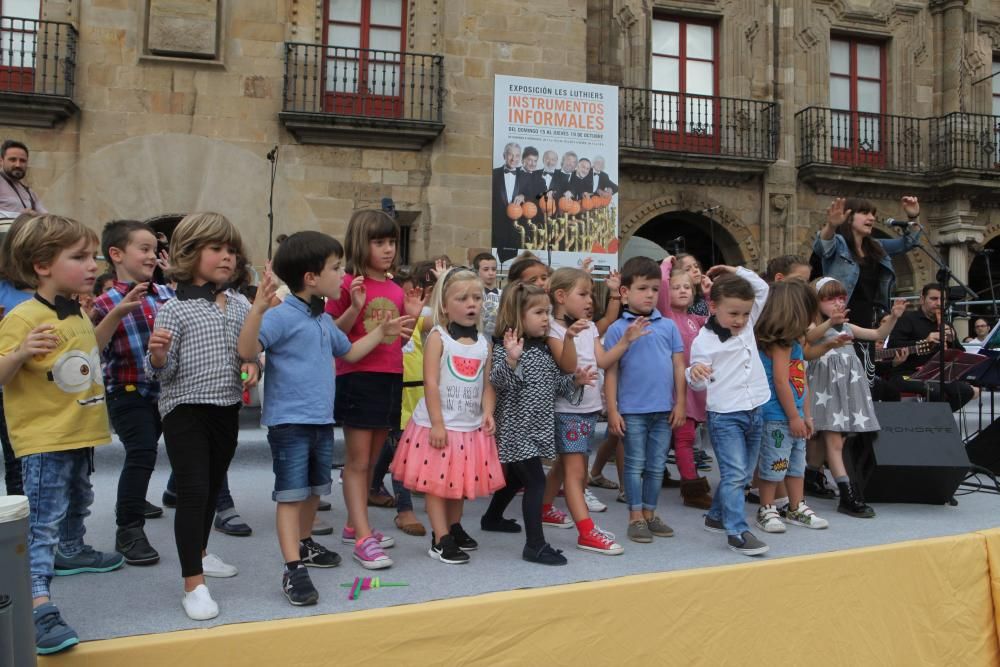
{"x":839,"y":396}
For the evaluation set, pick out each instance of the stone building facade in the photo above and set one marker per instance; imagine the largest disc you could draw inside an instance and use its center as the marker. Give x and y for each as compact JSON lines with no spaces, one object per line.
{"x":173,"y":106}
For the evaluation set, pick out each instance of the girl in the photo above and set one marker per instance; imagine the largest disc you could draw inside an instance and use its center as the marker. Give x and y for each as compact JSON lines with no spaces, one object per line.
{"x":528,"y":269}
{"x":369,"y":393}
{"x":447,"y":450}
{"x":702,"y":283}
{"x":573,"y":340}
{"x":527,"y":381}
{"x":192,"y":353}
{"x":675,"y":303}
{"x":790,"y":310}
{"x":841,"y":401}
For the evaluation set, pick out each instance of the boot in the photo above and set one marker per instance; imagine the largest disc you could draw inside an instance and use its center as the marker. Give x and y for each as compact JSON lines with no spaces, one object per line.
{"x":851,"y":502}
{"x":815,"y":484}
{"x":131,"y":542}
{"x":695,"y":493}
{"x":668,"y":481}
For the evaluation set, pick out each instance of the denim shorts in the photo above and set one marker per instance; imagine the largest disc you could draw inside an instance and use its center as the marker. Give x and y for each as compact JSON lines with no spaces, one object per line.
{"x":301,"y":455}
{"x":781,"y":454}
{"x":575,"y":432}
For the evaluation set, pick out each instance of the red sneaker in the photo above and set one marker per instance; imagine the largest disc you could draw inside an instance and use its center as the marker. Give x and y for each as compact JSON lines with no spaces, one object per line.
{"x":599,"y":541}
{"x":556,"y":518}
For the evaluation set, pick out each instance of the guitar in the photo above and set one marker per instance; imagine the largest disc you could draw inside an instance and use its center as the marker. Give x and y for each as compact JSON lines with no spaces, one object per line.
{"x":923,"y":347}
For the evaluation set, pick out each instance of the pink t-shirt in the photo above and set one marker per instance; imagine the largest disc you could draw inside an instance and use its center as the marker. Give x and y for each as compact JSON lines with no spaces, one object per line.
{"x":381,"y":296}
{"x":689,"y":326}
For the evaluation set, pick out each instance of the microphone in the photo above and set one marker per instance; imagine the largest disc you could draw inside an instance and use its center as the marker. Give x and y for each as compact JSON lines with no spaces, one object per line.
{"x":679,"y":239}
{"x":892,"y":222}
{"x":273,"y":153}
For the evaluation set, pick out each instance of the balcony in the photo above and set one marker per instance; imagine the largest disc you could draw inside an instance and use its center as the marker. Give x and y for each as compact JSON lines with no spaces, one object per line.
{"x":37,"y":72}
{"x":956,"y":150}
{"x":695,"y":132}
{"x":362,"y":97}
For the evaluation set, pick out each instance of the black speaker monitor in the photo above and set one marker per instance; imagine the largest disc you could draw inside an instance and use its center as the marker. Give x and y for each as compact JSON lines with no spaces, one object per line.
{"x":916,"y":457}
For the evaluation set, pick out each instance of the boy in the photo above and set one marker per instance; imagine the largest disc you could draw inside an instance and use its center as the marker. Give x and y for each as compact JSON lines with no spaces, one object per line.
{"x":787,"y":266}
{"x":485,"y":265}
{"x":54,"y":401}
{"x":724,"y":359}
{"x":299,"y":392}
{"x":130,"y":246}
{"x":645,"y":392}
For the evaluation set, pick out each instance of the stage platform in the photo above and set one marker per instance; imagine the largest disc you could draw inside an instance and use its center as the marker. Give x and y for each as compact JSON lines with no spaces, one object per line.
{"x":912,"y":583}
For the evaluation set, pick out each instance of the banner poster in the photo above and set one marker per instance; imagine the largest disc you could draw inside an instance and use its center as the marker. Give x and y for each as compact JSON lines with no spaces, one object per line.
{"x":555,"y":175}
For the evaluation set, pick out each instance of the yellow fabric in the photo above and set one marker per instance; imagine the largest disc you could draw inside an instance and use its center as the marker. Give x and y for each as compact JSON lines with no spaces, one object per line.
{"x":914,"y":603}
{"x":413,"y":371}
{"x":54,"y":402}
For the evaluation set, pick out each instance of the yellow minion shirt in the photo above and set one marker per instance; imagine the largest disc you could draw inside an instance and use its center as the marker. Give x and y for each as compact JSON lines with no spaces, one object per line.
{"x":413,"y":373}
{"x":54,"y":402}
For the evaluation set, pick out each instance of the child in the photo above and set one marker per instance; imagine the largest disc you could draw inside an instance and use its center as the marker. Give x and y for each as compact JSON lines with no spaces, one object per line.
{"x":105,"y":281}
{"x":54,"y":402}
{"x":785,"y":267}
{"x":454,"y":419}
{"x":702,"y":283}
{"x":192,"y":354}
{"x":531,"y":270}
{"x":573,"y":339}
{"x":841,"y":401}
{"x":674,"y":301}
{"x":131,"y":248}
{"x":789,"y":312}
{"x":299,"y":393}
{"x":485,"y":265}
{"x":724,"y":359}
{"x":369,"y":391}
{"x":646,"y":393}
{"x":527,"y":381}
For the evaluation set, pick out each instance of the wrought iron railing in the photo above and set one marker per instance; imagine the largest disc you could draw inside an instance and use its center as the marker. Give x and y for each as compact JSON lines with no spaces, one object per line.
{"x":682,"y":123}
{"x":856,"y":139}
{"x":37,"y":57}
{"x":371,"y":83}
{"x":966,"y":141}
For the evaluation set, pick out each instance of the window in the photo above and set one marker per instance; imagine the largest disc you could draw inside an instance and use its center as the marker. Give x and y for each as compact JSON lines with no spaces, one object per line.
{"x":684,"y":74}
{"x":18,"y":27}
{"x":857,"y":97}
{"x":365,"y":44}
{"x":996,"y":87}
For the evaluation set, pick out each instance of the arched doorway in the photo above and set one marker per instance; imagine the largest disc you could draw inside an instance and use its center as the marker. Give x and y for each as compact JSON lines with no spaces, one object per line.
{"x":984,"y":267}
{"x":694,"y":233}
{"x":165,"y":224}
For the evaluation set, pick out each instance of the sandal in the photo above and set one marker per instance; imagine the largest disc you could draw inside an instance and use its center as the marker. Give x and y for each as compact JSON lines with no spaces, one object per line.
{"x":415,"y":529}
{"x":381,"y":500}
{"x":602,"y":482}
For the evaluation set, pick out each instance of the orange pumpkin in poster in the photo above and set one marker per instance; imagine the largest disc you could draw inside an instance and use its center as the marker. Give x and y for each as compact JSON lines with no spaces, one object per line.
{"x":566,"y":204}
{"x":588,"y":203}
{"x":613,"y":246}
{"x":514,"y":211}
{"x":529,"y":210}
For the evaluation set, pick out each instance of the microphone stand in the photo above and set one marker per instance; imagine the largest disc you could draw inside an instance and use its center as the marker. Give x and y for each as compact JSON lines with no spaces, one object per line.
{"x":944,"y":278}
{"x":986,"y":253}
{"x":272,"y":157}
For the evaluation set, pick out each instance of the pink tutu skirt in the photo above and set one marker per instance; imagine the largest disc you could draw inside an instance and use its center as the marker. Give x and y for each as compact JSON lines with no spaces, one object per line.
{"x":466,"y":467}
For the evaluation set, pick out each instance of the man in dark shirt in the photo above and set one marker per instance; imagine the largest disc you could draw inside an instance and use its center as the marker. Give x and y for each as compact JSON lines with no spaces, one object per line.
{"x":922,"y":325}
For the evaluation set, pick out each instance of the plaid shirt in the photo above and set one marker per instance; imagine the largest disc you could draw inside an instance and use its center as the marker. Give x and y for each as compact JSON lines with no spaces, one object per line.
{"x":203,"y":366}
{"x":123,"y":357}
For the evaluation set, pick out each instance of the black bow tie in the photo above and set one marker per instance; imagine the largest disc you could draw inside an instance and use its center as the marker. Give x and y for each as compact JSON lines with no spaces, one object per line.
{"x":569,"y":320}
{"x":187,"y":291}
{"x":722,"y":332}
{"x":64,"y":307}
{"x":317,"y":306}
{"x":509,"y":171}
{"x":457,"y":331}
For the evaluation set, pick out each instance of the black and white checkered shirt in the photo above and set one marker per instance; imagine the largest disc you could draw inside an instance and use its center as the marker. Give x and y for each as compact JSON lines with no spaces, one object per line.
{"x":203,"y":365}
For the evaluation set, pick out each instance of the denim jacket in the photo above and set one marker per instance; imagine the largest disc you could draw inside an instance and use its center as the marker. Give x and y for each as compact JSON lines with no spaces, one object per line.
{"x":839,"y":262}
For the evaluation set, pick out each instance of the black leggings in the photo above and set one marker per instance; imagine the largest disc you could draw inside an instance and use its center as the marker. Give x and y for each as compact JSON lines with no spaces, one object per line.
{"x":527,"y":474}
{"x":11,"y":464}
{"x":201,"y":441}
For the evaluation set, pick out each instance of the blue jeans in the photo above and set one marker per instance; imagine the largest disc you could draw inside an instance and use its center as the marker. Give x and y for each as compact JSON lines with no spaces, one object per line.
{"x":57,"y":485}
{"x":736,"y":442}
{"x":302,"y":455}
{"x":647,"y":439}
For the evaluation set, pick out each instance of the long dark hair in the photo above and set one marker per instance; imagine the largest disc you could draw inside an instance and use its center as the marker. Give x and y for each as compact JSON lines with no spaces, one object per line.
{"x":873,"y":249}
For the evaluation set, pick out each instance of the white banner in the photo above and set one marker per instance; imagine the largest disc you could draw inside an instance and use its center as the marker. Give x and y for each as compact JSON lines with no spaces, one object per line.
{"x":555,"y":176}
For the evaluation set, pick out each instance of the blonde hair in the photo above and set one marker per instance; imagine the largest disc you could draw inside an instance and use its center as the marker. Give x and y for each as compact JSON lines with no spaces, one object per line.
{"x":456,"y":276}
{"x":565,"y":279}
{"x":365,"y":226}
{"x":516,"y":299}
{"x":193,"y":233}
{"x":39,"y":240}
{"x":791,"y":307}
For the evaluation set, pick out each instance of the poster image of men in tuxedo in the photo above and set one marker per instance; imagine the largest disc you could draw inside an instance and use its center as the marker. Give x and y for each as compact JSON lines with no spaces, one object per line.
{"x":509,"y":185}
{"x":602,"y":183}
{"x":529,"y":159}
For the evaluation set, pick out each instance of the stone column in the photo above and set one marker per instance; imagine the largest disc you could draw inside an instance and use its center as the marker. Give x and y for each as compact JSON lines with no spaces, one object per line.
{"x":951,"y":39}
{"x":956,"y":236}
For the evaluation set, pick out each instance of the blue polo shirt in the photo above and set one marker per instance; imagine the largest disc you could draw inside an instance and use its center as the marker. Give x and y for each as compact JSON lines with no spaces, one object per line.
{"x":299,"y":373}
{"x":646,"y":370}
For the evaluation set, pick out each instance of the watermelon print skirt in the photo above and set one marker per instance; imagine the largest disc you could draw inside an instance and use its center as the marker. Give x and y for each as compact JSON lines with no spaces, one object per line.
{"x":466,"y":467}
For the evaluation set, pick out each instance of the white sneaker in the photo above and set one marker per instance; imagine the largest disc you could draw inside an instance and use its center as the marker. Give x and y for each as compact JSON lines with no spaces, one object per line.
{"x":803,"y":516}
{"x":212,"y":566}
{"x":199,"y":605}
{"x":769,"y":520}
{"x":593,"y":504}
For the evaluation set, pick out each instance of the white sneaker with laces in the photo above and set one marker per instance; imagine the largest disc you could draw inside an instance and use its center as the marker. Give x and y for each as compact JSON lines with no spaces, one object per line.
{"x":593,"y":504}
{"x":213,"y":566}
{"x":199,"y":605}
{"x":769,"y":520}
